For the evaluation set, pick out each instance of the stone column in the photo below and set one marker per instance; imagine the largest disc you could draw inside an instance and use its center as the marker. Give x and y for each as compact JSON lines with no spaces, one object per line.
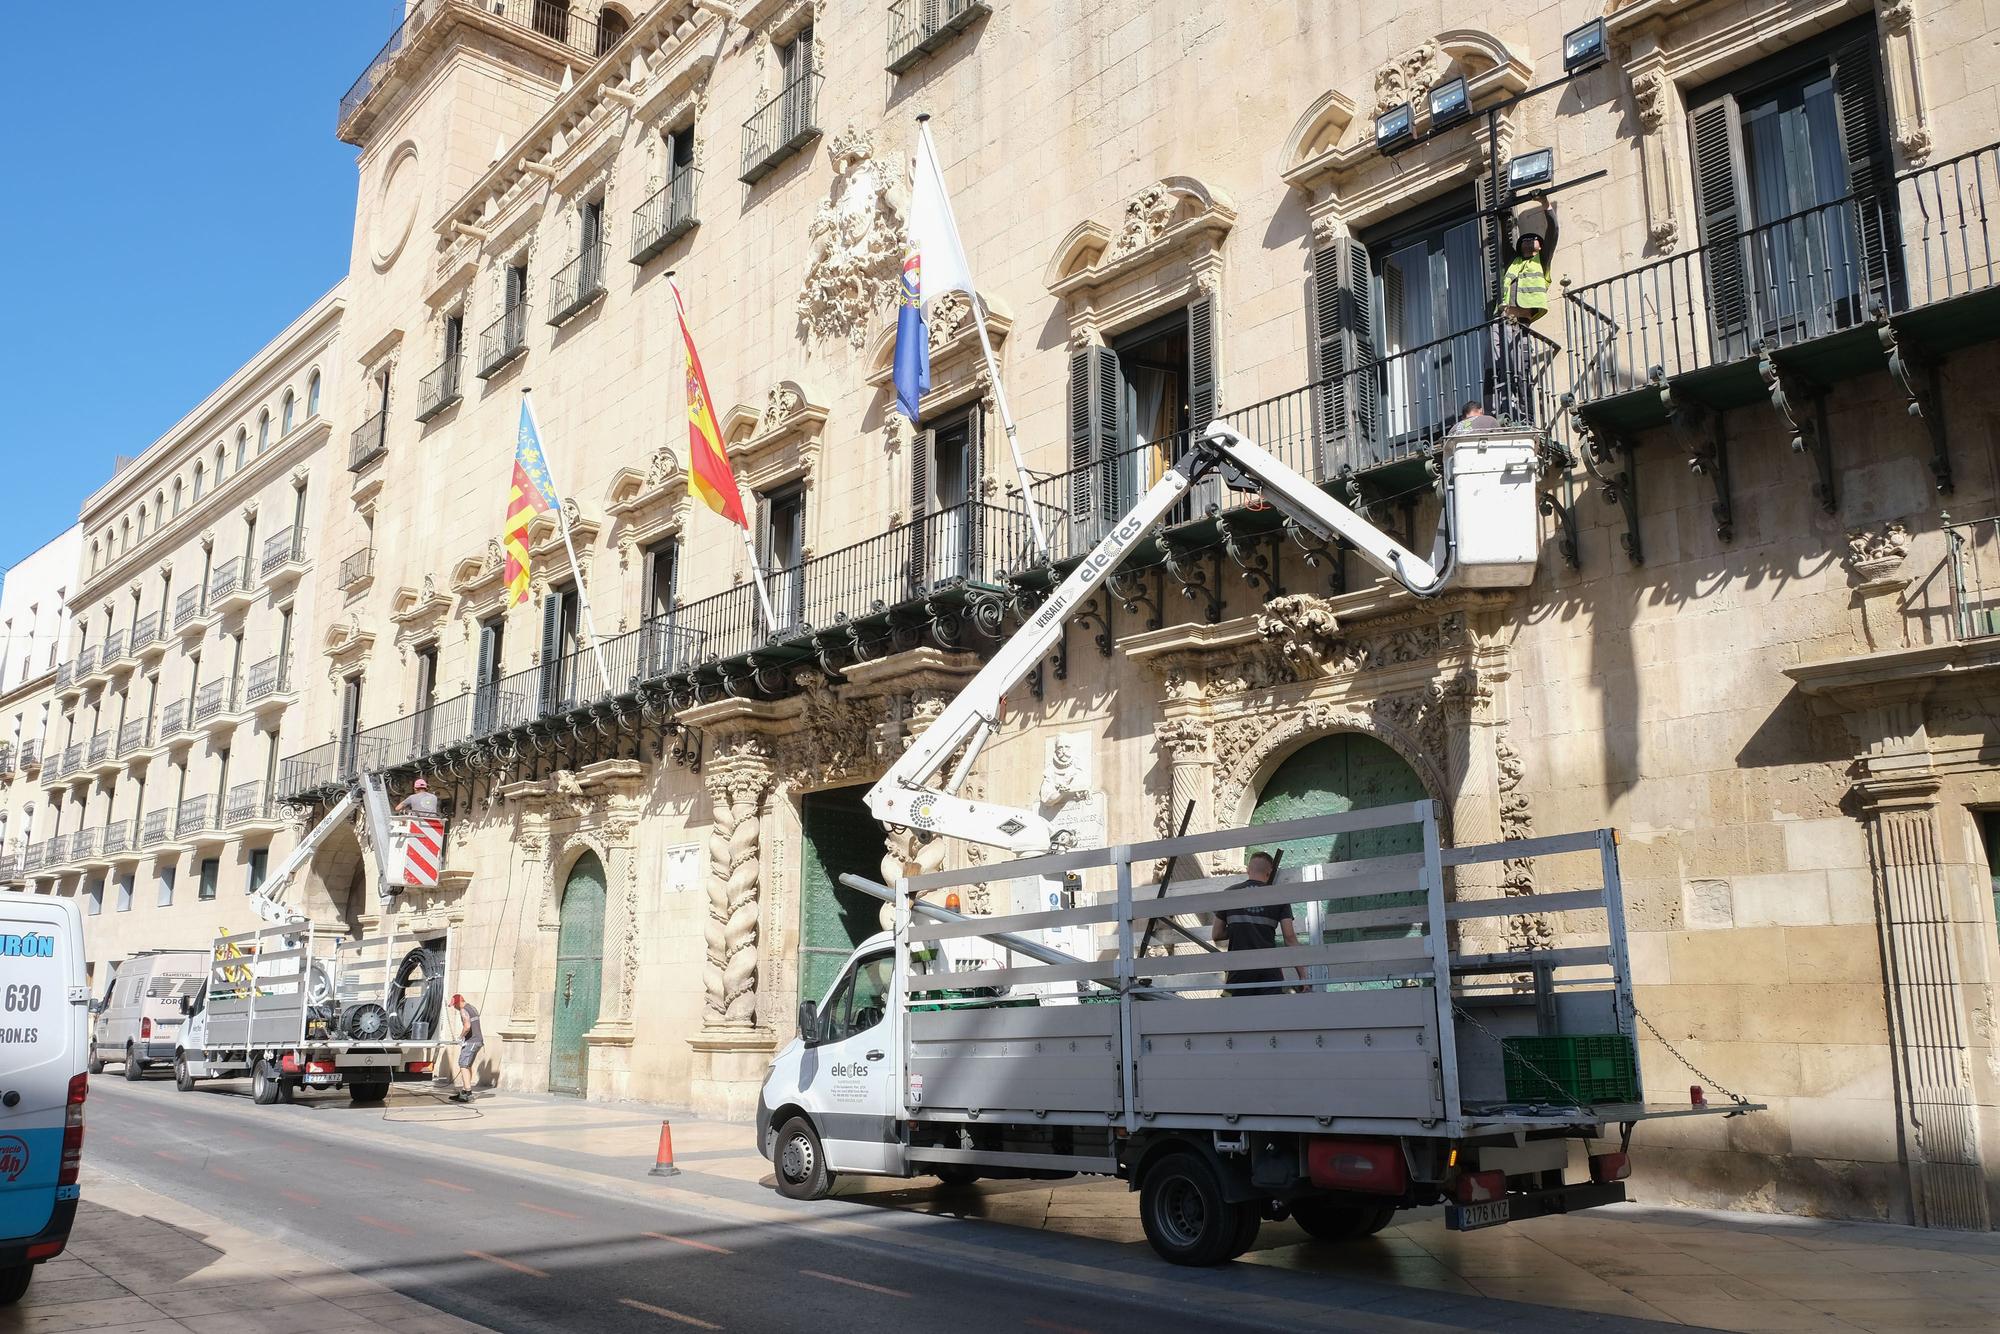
{"x":1188,"y":744}
{"x":732,"y":1047}
{"x":535,"y":941}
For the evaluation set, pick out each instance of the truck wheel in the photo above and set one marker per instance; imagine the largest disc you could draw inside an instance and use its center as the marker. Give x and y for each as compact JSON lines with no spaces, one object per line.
{"x":1246,"y":1230}
{"x":367,"y":1094}
{"x":182,"y":1079}
{"x":801,"y":1162}
{"x":1186,"y":1219}
{"x":955,"y":1174}
{"x":14,"y":1283}
{"x":1341,"y":1220}
{"x":265,"y":1085}
{"x":135,"y":1069}
{"x":96,"y":1063}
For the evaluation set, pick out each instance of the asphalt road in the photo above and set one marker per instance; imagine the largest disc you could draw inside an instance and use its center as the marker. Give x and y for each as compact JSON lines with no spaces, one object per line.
{"x":525,"y":1255}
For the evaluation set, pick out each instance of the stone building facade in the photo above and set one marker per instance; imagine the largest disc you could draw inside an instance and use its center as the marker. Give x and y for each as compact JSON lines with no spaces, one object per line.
{"x":1756,"y":643}
{"x":188,"y":602}
{"x":34,"y":626}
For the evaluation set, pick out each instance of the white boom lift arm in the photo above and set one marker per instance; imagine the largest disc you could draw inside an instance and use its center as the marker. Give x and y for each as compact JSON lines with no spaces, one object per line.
{"x":267,"y":900}
{"x":1489,"y":535}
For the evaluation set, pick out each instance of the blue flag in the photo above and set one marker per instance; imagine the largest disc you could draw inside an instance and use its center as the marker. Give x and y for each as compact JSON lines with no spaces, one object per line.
{"x":913,"y":340}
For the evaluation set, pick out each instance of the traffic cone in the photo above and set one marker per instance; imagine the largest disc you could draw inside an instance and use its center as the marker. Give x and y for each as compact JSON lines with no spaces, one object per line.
{"x":663,"y":1157}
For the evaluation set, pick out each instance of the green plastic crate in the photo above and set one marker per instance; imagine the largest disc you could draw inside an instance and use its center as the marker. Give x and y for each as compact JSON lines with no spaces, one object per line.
{"x":1586,"y":1068}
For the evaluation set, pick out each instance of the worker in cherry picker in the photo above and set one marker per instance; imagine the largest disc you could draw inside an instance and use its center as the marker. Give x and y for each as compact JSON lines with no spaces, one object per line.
{"x":1524,"y":299}
{"x":421,"y":801}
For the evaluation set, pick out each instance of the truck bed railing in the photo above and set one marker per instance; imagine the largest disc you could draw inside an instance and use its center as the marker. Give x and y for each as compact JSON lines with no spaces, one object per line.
{"x":1409,"y":987}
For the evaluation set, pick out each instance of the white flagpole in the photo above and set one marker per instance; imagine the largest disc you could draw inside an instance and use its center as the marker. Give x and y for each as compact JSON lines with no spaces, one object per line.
{"x":562,"y":525}
{"x":986,"y":347}
{"x":749,"y":544}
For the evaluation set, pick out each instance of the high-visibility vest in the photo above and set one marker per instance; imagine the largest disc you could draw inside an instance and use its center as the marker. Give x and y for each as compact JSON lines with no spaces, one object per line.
{"x":1526,"y":285}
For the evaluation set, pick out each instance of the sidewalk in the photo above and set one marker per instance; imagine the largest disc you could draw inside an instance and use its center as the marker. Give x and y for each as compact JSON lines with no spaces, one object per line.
{"x":1732,"y":1271}
{"x":140,"y":1263}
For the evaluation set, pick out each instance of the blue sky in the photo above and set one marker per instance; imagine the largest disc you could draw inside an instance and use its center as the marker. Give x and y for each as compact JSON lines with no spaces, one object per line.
{"x":176,"y":197}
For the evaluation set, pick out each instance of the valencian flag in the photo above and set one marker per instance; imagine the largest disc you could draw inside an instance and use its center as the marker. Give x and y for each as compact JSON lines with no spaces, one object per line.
{"x":534,"y":493}
{"x":932,"y":266}
{"x":708,"y":462}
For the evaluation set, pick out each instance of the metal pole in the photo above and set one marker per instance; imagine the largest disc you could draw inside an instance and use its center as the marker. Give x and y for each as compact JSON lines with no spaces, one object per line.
{"x":562,"y":524}
{"x":992,"y":367}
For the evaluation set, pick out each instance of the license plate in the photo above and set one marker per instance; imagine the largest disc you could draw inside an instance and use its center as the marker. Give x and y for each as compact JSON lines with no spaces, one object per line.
{"x":321,"y":1079}
{"x":1466,"y":1217}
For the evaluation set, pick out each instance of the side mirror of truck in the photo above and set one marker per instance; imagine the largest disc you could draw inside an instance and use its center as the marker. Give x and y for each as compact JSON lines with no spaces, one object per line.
{"x":187,"y":1005}
{"x":97,"y":1007}
{"x":808,"y":1017}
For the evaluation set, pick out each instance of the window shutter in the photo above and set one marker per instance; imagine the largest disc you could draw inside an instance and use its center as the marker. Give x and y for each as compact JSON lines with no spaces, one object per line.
{"x":552,"y":608}
{"x":1871,"y":173}
{"x":1718,"y":196}
{"x":1357,"y":300}
{"x":1494,"y":242}
{"x":921,"y":450}
{"x":975,"y":491}
{"x":485,"y":654}
{"x":1107,"y":436}
{"x":1329,"y":358}
{"x":1201,"y":364}
{"x":1079,"y":433}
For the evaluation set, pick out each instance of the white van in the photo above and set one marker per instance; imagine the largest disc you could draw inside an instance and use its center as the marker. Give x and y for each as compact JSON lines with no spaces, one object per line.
{"x":139,"y":1015}
{"x":42,"y":1020}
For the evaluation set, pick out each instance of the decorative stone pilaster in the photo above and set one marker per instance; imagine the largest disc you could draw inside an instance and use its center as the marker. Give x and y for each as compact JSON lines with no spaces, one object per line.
{"x":739,"y":776}
{"x":535,"y":940}
{"x":1189,"y":745}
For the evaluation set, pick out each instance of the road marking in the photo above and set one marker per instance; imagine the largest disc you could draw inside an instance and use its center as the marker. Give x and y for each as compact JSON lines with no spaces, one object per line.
{"x":529,"y":1270}
{"x":170,"y":1157}
{"x":448,"y":1185}
{"x":120,"y":1140}
{"x":226,"y":1174}
{"x":362,"y":1163}
{"x":683,"y":1241}
{"x":385,"y":1225}
{"x":299,"y":1196}
{"x":663,"y":1311}
{"x":545,"y":1209}
{"x":857,"y":1283}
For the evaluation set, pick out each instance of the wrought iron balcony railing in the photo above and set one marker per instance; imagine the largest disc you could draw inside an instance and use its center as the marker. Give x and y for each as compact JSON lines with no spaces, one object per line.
{"x":283,"y":548}
{"x":1824,"y":276}
{"x":267,"y":678}
{"x":145,"y":631}
{"x":227,"y":579}
{"x":173,"y":720}
{"x":187,"y":607}
{"x":131,"y":736}
{"x":86,"y":661}
{"x":65,"y":674}
{"x":34,"y":856}
{"x":72,"y":758}
{"x":667,"y":215}
{"x":503,"y":340}
{"x":114,"y":648}
{"x":1973,"y":552}
{"x":555,"y":21}
{"x":919,"y":27}
{"x":357,"y":567}
{"x":780,"y":127}
{"x":208,"y":700}
{"x":6,"y":757}
{"x":247,"y":802}
{"x":192,"y":816}
{"x":56,"y":851}
{"x":577,"y":283}
{"x":440,"y":389}
{"x":369,"y":441}
{"x":117,"y":838}
{"x":154,"y":831}
{"x":10,"y":868}
{"x":31,"y":754}
{"x":83,"y":845}
{"x":100,"y":748}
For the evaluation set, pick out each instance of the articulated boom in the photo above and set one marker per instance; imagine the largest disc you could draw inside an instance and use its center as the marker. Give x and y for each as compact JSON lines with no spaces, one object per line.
{"x":267,"y":900}
{"x":1488,"y":536}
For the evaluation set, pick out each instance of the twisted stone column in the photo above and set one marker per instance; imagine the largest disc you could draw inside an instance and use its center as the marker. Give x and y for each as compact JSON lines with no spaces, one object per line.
{"x":737,"y":786}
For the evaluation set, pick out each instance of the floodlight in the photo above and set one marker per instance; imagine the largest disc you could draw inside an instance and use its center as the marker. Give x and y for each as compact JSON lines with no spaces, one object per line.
{"x":1583,"y":47}
{"x":1526,"y":171}
{"x":1392,"y":126}
{"x":1449,"y":103}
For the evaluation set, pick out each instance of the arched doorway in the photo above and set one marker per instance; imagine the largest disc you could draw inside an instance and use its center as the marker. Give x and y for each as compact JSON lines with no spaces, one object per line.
{"x":1332,"y":775}
{"x":579,"y":975}
{"x":840,"y":837}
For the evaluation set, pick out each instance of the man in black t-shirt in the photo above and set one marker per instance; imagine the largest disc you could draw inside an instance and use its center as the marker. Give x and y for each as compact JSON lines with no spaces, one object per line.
{"x":1255,"y":926}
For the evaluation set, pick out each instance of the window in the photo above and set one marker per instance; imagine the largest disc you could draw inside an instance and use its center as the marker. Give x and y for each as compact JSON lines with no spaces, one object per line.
{"x":680,"y":150}
{"x":211,"y":876}
{"x":1131,"y":406}
{"x":945,"y":466}
{"x":560,"y":660}
{"x":1989,"y":832}
{"x":795,"y":67}
{"x":782,"y":534}
{"x":312,"y":395}
{"x":290,"y":409}
{"x":663,"y":645}
{"x":427,"y":667}
{"x":260,"y":861}
{"x":142,"y":521}
{"x":350,"y":724}
{"x":1429,"y":300}
{"x":221,"y":456}
{"x":1792,"y":164}
{"x":177,"y":493}
{"x":611,"y":29}
{"x":125,"y":892}
{"x":96,"y":557}
{"x":454,"y":336}
{"x":551,"y":19}
{"x":160,"y":508}
{"x":197,"y":488}
{"x":93,"y":898}
{"x":860,"y":1001}
{"x":487,"y":680}
{"x":124,"y":536}
{"x":166,"y":885}
{"x":243,"y":444}
{"x":517,"y":285}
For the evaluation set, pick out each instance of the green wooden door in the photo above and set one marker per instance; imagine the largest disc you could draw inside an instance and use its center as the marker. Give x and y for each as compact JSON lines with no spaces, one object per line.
{"x":1333,"y":775}
{"x":840,"y":837}
{"x":579,"y":975}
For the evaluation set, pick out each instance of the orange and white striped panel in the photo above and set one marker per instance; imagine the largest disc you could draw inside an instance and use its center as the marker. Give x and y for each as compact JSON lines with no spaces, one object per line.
{"x":423,"y":851}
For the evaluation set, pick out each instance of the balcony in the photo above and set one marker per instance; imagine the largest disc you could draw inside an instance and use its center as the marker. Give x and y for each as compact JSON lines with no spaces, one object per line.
{"x":153,"y":831}
{"x":577,"y":284}
{"x":250,"y":806}
{"x":85,"y":665}
{"x":132,"y":737}
{"x":72,"y":759}
{"x":193,"y":817}
{"x":284,"y":554}
{"x":270,"y":686}
{"x":781,"y":127}
{"x":358,"y":570}
{"x":440,"y":389}
{"x":231,"y":587}
{"x":10,"y":868}
{"x":6,"y":759}
{"x":55,"y":853}
{"x":550,"y":21}
{"x":33,"y":857}
{"x":83,"y":847}
{"x":65,"y":675}
{"x":118,"y":842}
{"x":188,"y":611}
{"x":113,"y":651}
{"x":666,"y":216}
{"x":173,"y":723}
{"x":369,"y":441}
{"x":146,"y":641}
{"x":218,"y":706}
{"x":104,"y":753}
{"x":31,"y":756}
{"x":1896,"y":277}
{"x":503,"y":340}
{"x":919,"y":27}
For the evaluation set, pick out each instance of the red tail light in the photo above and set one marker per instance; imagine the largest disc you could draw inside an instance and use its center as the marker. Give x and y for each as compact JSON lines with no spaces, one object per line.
{"x":418,"y":1068}
{"x":319,"y":1067}
{"x":1372,"y":1166}
{"x":289,"y":1063}
{"x":1479,"y":1187}
{"x":72,"y":1144}
{"x":145,"y":1028}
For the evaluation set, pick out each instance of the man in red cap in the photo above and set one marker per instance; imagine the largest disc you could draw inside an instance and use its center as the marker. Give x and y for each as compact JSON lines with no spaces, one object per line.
{"x":470,"y":1039}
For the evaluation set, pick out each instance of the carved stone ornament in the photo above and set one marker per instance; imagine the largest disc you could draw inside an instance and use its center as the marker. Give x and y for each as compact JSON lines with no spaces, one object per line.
{"x":1408,"y":77}
{"x":1147,"y":215}
{"x":948,"y":312}
{"x":1649,"y":95}
{"x":1876,"y":554}
{"x":664,"y":466}
{"x":1302,"y":628}
{"x":1065,"y":770}
{"x":782,"y":404}
{"x":838,"y":734}
{"x":856,"y":245}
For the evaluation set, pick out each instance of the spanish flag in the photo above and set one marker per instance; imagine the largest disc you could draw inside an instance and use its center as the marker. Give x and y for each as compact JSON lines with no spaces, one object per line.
{"x":534,"y":493}
{"x":708,"y":463}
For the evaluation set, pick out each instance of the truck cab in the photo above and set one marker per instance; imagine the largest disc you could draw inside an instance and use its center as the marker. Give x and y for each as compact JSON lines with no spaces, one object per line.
{"x":830,"y":1101}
